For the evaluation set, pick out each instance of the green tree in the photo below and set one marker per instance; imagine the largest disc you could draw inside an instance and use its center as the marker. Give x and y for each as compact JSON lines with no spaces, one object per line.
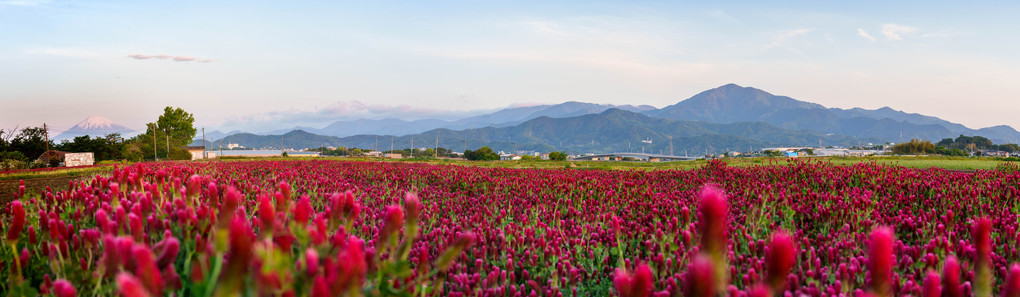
{"x":481,"y":154}
{"x":174,"y":129}
{"x":557,"y":156}
{"x":914,"y":147}
{"x":31,"y":142}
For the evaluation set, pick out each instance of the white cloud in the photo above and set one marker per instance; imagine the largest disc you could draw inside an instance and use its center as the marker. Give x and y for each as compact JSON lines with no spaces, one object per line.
{"x":781,"y":39}
{"x":894,"y":31}
{"x":862,"y":33}
{"x":168,"y":57}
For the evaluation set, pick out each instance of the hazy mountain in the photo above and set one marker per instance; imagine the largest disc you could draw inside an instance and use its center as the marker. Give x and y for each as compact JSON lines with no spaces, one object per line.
{"x":501,"y":118}
{"x":297,"y":139}
{"x":95,"y":126}
{"x":732,"y":103}
{"x":614,"y":130}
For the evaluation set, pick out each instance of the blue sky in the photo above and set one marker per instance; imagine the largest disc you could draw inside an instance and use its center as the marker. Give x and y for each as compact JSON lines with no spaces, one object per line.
{"x":261,"y":65}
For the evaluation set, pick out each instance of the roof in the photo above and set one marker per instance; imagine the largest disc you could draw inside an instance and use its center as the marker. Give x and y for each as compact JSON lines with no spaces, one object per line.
{"x":52,"y":154}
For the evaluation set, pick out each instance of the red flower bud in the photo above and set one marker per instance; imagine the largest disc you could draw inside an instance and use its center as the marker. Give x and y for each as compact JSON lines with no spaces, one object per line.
{"x":146,"y":269}
{"x":412,"y":208}
{"x":881,"y":259}
{"x":129,"y":286}
{"x":1011,"y":287}
{"x":638,"y":284}
{"x":779,"y":259}
{"x":17,"y":220}
{"x":167,"y":250}
{"x":982,"y":240}
{"x":951,"y":277}
{"x":311,"y":261}
{"x":713,"y":219}
{"x":63,"y":288}
{"x":303,"y":210}
{"x":700,"y":281}
{"x":932,"y":287}
{"x":391,"y":222}
{"x":266,"y":214}
{"x":240,"y":251}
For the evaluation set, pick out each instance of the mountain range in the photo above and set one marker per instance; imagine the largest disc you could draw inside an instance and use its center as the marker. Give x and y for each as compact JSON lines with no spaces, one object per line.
{"x":730,"y":117}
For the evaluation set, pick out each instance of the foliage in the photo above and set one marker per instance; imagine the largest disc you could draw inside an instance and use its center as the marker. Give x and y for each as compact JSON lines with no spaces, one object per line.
{"x":31,"y":142}
{"x":178,"y":124}
{"x":914,"y":147}
{"x":481,"y":154}
{"x":110,"y":147}
{"x":557,"y":156}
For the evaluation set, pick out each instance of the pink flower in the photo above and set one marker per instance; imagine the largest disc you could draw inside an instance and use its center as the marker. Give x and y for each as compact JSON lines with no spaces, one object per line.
{"x":932,"y":287}
{"x":713,"y":219}
{"x":638,"y":284}
{"x":17,"y":221}
{"x":146,"y":269}
{"x":391,"y":222}
{"x":129,"y":286}
{"x":1011,"y":287}
{"x":63,"y":288}
{"x":311,"y":261}
{"x":167,"y":250}
{"x":982,"y":240}
{"x":951,"y":277}
{"x":266,"y":214}
{"x":780,"y":258}
{"x":881,"y":260}
{"x":412,"y":209}
{"x":303,"y":210}
{"x":700,"y":280}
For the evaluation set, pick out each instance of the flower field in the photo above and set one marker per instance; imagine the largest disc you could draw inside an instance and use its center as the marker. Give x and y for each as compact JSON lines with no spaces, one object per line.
{"x":335,"y":228}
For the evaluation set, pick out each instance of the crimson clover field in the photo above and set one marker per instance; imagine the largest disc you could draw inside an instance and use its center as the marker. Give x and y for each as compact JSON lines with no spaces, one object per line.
{"x":340,"y":228}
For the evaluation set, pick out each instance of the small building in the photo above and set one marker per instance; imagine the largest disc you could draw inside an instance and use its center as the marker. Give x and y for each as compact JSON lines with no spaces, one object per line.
{"x":376,"y":154}
{"x":394,"y":156}
{"x":198,"y":152}
{"x":68,"y":159}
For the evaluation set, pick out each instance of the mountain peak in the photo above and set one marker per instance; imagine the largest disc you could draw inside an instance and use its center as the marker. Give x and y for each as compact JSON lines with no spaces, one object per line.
{"x":95,"y":123}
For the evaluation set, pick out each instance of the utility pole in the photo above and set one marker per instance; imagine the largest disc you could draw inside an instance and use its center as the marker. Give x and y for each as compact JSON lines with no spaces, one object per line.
{"x":155,"y":156}
{"x":377,"y":143}
{"x":391,"y":144}
{"x":412,"y":147}
{"x":168,"y":145}
{"x":671,"y":145}
{"x":47,"y":131}
{"x":437,"y":145}
{"x":205,"y":155}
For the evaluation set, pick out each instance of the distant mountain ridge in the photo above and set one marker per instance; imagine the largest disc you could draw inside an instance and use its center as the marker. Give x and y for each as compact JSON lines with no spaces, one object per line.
{"x":94,"y":126}
{"x":741,"y":107}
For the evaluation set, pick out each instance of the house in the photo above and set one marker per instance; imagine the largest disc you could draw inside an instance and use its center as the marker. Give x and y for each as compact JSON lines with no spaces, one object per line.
{"x":197,"y":152}
{"x":374,"y":154}
{"x":394,"y":156}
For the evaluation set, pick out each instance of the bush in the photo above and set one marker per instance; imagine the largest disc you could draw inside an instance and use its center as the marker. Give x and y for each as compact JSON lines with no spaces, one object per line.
{"x":11,"y":164}
{"x":1008,"y":167}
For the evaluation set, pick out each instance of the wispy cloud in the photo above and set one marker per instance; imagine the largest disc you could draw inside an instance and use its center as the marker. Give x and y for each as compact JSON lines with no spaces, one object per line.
{"x":26,"y":2}
{"x":168,"y":57}
{"x":780,"y":40}
{"x":895,"y":31}
{"x":862,"y":33}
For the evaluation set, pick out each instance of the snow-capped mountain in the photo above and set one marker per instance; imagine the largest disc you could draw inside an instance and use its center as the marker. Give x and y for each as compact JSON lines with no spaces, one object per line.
{"x":95,"y":126}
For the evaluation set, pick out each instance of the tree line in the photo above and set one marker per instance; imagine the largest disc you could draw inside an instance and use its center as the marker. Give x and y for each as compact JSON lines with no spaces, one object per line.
{"x":163,"y":139}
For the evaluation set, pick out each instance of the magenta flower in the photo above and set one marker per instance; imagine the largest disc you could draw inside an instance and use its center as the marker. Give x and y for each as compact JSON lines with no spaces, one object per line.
{"x":638,"y":284}
{"x":129,"y":286}
{"x":303,"y":210}
{"x":700,"y":280}
{"x":932,"y":286}
{"x":713,"y":219}
{"x":17,"y":221}
{"x":1011,"y":287}
{"x":780,"y":258}
{"x":881,"y":260}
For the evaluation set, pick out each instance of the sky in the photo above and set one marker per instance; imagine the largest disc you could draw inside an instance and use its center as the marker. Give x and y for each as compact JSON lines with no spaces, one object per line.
{"x":254,"y":65}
